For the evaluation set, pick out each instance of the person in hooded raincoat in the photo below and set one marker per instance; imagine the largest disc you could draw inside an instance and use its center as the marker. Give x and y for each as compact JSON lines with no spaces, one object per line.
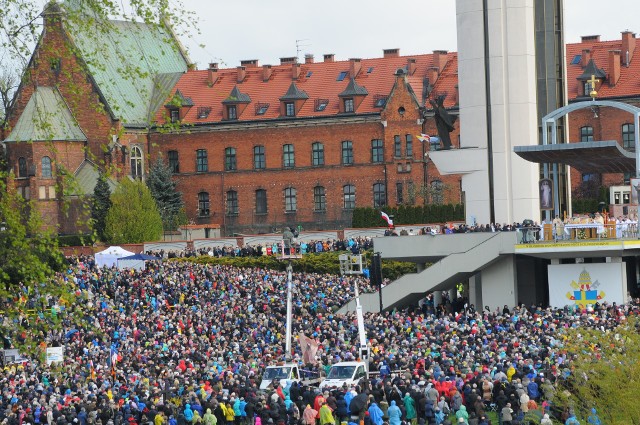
{"x":410,"y":409}
{"x":309,"y":415}
{"x":326,"y":417}
{"x":209,"y":418}
{"x":188,"y":413}
{"x":394,"y":413}
{"x":376,"y":414}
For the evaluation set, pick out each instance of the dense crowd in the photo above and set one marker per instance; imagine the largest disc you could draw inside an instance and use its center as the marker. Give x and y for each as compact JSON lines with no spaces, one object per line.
{"x":182,"y":343}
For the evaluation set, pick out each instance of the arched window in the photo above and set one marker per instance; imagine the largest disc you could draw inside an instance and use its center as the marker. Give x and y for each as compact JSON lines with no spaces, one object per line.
{"x":586,"y":133}
{"x":22,"y":167}
{"x":290,"y":200}
{"x":319,"y":199}
{"x":232,"y":202}
{"x":46,"y":167}
{"x":379,"y":195}
{"x":230,"y":163}
{"x":349,"y":196}
{"x":136,"y":163}
{"x":628,"y":136}
{"x":317,"y":150}
{"x":203,"y":204}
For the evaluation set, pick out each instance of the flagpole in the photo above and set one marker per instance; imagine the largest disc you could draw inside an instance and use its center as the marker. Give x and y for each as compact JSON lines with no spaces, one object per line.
{"x":289,"y":296}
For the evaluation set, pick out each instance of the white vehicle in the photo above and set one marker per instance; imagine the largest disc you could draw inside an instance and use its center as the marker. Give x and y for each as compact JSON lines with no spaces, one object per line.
{"x":349,"y":373}
{"x":281,"y":374}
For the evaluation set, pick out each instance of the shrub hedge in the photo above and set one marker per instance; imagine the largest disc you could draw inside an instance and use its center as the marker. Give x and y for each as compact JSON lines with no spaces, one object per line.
{"x":364,"y":217}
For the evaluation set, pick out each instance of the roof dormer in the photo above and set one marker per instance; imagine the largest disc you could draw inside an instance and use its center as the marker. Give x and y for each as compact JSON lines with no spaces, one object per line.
{"x":590,"y":75}
{"x":351,"y":97}
{"x":235,"y":104}
{"x":292,"y":101}
{"x":178,"y":106}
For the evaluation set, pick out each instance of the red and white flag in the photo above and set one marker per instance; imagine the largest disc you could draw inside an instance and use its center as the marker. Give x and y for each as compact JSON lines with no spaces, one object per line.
{"x":424,"y":137}
{"x":387,"y":218}
{"x":309,"y":348}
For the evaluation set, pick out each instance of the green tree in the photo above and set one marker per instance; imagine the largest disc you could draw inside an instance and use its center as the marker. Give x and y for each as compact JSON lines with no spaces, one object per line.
{"x":133,"y":216}
{"x":604,"y":373}
{"x":168,"y":199}
{"x":100,"y":205}
{"x":29,"y":260}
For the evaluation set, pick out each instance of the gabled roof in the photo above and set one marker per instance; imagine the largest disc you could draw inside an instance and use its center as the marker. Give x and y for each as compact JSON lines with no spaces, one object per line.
{"x":627,"y":85}
{"x":124,"y":59}
{"x":86,"y":177}
{"x":592,"y":70}
{"x":294,"y":93}
{"x":179,"y":100}
{"x":46,"y":118}
{"x":318,"y":80}
{"x":354,"y":89}
{"x":236,"y":97}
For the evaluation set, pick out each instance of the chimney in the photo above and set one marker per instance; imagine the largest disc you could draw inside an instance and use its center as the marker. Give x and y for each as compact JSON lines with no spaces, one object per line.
{"x":266,"y":72}
{"x":329,"y":57}
{"x":212,"y":76}
{"x":628,"y":45}
{"x":614,"y":67}
{"x":291,"y":59}
{"x":432,"y":75}
{"x":440,"y":59}
{"x":411,"y":66}
{"x":308,"y":58}
{"x":586,"y":57}
{"x":590,"y":39}
{"x":391,"y":53}
{"x":354,"y":67}
{"x":241,"y":73}
{"x":249,"y":63}
{"x":295,"y":70}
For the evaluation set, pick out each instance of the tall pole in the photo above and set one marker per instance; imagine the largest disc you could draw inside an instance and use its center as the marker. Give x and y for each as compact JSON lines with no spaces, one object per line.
{"x":289,"y":296}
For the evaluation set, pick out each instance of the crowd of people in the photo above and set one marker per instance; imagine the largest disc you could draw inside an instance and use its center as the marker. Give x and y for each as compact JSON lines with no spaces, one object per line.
{"x":182,"y":343}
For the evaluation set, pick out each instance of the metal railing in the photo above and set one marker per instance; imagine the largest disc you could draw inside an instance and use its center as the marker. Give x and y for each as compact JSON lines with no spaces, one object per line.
{"x":577,"y":232}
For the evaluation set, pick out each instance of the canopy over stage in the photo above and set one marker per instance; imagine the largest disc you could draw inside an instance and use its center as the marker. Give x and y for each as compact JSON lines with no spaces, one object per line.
{"x":587,"y":157}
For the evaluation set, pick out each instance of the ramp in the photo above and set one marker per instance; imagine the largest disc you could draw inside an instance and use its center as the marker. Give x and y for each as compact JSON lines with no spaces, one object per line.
{"x":441,"y":275}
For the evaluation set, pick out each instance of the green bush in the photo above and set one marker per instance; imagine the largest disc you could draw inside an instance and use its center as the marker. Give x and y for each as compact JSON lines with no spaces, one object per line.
{"x":364,"y":217}
{"x":76,"y":240}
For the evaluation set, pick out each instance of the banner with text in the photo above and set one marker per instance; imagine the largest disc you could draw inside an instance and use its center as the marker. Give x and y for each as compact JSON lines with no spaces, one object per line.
{"x":583,"y":284}
{"x":55,"y":354}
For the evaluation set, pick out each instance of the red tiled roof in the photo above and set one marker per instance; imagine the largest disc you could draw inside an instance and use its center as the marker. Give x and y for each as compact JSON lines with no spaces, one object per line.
{"x":627,"y":85}
{"x":318,"y":80}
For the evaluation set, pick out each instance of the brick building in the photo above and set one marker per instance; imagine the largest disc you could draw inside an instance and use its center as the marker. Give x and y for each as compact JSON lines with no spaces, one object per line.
{"x":615,"y":65}
{"x":261,"y":147}
{"x":83,"y":107}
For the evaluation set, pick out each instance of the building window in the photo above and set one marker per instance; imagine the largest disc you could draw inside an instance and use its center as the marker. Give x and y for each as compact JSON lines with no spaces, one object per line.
{"x":288,"y":156}
{"x":397,"y":146}
{"x":627,"y":178}
{"x":174,"y":115}
{"x":259,"y":160}
{"x":174,"y":162}
{"x":628,"y":136}
{"x":290,"y":109}
{"x":437,"y":192}
{"x":22,"y":167}
{"x":136,"y":162}
{"x":203,"y":204}
{"x":317,"y":154}
{"x":348,"y":105}
{"x":399,"y":193}
{"x":46,"y":167}
{"x":319,"y":199}
{"x":586,"y":134}
{"x":261,"y":201}
{"x":290,"y":200}
{"x":408,"y":147}
{"x":377,"y":151}
{"x":230,"y":159}
{"x":232,"y":112}
{"x":232,"y":202}
{"x":379,"y":195}
{"x":591,"y":178}
{"x":347,"y":152}
{"x":349,"y":196}
{"x":202,"y":163}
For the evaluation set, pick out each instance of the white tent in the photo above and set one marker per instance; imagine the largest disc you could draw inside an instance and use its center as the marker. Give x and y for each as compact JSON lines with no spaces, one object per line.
{"x":109,"y":257}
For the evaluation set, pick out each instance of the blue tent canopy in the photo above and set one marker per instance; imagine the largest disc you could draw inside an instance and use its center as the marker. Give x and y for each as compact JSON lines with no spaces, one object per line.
{"x":143,"y":257}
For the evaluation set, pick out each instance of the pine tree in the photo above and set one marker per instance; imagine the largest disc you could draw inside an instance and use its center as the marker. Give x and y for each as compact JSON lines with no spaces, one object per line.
{"x":133,"y":216}
{"x":100,"y":205}
{"x":163,"y":190}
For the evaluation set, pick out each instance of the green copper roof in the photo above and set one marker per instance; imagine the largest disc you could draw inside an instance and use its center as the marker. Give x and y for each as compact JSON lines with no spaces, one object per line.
{"x":46,"y":117}
{"x":86,"y":178}
{"x":124,"y":59}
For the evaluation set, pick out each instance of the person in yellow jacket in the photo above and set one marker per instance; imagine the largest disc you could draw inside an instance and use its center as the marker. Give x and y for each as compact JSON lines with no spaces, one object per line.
{"x":326,"y":416}
{"x":227,"y":409}
{"x":510,"y":372}
{"x":159,"y":419}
